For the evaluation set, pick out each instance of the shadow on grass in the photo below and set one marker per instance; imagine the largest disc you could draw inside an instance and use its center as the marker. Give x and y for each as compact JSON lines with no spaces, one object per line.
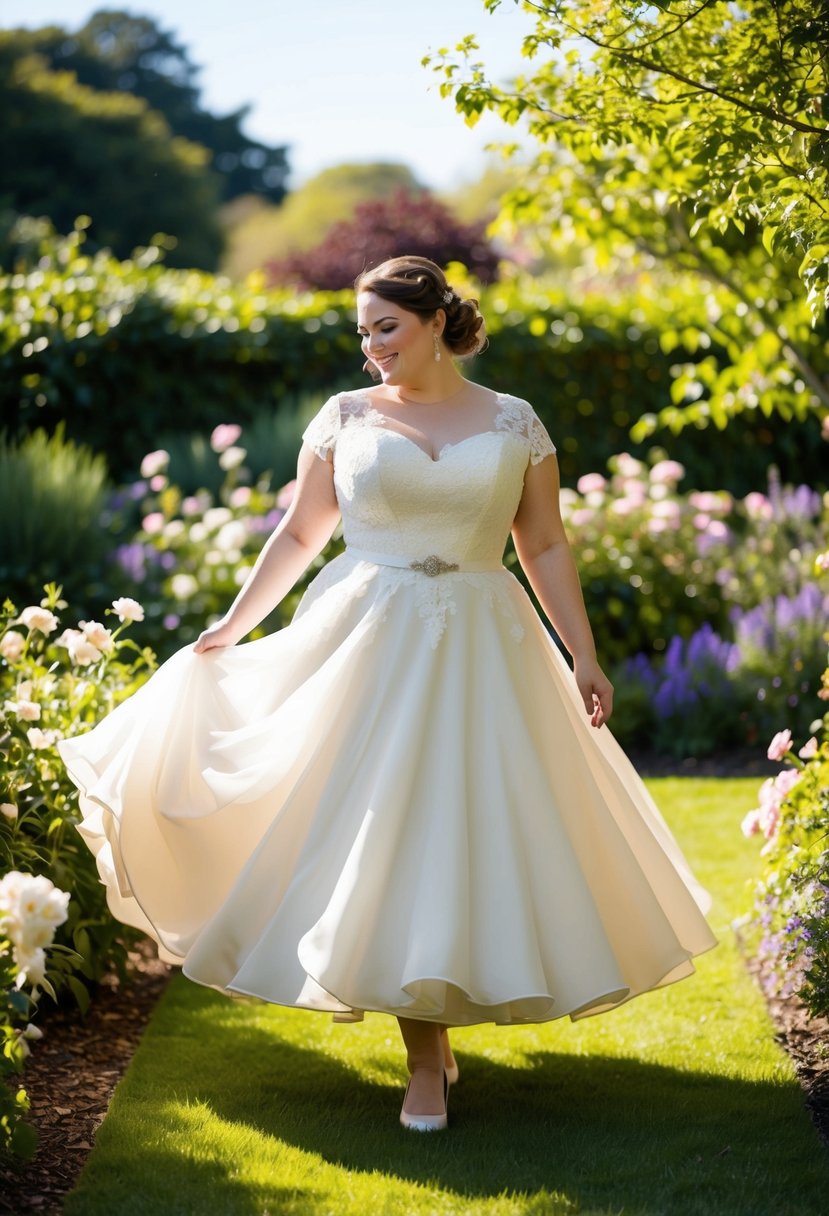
{"x":564,"y":1134}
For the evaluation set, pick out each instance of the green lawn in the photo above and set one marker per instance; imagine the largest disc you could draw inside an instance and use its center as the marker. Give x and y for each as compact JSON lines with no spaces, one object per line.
{"x":679,"y":1103}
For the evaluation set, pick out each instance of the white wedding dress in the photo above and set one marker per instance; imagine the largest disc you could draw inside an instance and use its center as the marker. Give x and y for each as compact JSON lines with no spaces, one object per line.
{"x":396,"y":802}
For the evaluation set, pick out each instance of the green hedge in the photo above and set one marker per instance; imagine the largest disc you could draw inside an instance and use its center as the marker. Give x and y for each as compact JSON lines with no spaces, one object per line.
{"x":123,"y":352}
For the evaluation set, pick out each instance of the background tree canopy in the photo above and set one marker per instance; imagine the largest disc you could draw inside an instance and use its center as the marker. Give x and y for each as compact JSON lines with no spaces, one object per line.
{"x":692,"y":134}
{"x":106,"y":121}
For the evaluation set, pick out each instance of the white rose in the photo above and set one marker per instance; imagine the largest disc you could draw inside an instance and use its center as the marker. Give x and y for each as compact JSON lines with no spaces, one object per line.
{"x":231,"y":458}
{"x":183,"y":586}
{"x":39,"y":618}
{"x":98,"y":635}
{"x":11,"y":645}
{"x":82,"y":651}
{"x":8,"y":809}
{"x":128,"y":610}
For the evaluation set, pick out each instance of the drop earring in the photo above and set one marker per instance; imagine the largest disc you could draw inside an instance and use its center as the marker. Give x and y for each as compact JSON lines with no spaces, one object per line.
{"x":437,"y":349}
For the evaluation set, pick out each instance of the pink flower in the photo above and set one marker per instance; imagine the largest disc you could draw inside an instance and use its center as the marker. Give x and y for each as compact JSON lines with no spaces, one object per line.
{"x":709,"y":502}
{"x":240,"y":497}
{"x":757,"y":506}
{"x":224,"y":436}
{"x":785,"y":781}
{"x":286,"y":495}
{"x":152,"y":523}
{"x":624,"y":506}
{"x":751,"y":823}
{"x":701,"y":521}
{"x":590,"y":482}
{"x":780,"y":744}
{"x":98,"y":635}
{"x":668,"y":510}
{"x":628,"y":465}
{"x":581,"y":517}
{"x":668,"y":471}
{"x":154,"y":463}
{"x":822,"y":562}
{"x":809,"y":749}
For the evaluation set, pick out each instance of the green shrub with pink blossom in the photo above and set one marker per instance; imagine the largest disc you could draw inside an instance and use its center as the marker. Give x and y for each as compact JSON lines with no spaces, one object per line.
{"x":705,"y":605}
{"x":787,"y":929}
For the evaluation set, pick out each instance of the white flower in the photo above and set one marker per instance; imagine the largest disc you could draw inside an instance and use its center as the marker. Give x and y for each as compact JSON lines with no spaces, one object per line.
{"x":8,"y":809}
{"x":81,"y":650}
{"x":154,"y":462}
{"x":38,"y":618}
{"x":37,"y":738}
{"x":231,"y":458}
{"x":240,"y":497}
{"x":31,"y":908}
{"x":779,"y":745}
{"x":127,"y":610}
{"x":809,"y":749}
{"x":32,"y":1032}
{"x":215,"y":517}
{"x":231,"y":535}
{"x":183,"y":586}
{"x":98,"y":635}
{"x":11,"y":645}
{"x":628,"y":465}
{"x":26,"y":711}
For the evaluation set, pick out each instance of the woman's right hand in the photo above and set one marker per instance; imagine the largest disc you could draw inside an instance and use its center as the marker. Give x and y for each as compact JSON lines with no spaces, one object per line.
{"x":216,"y":637}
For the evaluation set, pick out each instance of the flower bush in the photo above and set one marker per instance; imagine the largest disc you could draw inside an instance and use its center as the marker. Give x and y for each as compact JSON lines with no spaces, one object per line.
{"x":55,"y":683}
{"x":787,"y":929}
{"x":192,"y":552}
{"x":31,"y":909}
{"x":704,"y":605}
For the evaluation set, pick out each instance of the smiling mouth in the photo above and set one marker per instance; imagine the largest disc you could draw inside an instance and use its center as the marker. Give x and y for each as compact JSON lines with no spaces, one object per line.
{"x":385,"y":363}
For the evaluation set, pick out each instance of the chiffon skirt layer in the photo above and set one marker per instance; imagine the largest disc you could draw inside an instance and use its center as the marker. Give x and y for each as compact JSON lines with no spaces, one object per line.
{"x":353,"y":814}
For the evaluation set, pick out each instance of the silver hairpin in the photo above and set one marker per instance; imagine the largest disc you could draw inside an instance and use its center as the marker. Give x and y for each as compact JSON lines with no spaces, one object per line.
{"x":448,"y":295}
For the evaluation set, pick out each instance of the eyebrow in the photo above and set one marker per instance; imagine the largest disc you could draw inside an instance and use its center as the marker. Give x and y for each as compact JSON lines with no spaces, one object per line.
{"x":380,"y":322}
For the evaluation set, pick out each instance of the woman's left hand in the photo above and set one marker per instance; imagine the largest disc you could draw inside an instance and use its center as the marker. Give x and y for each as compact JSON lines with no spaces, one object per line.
{"x":596,"y":691}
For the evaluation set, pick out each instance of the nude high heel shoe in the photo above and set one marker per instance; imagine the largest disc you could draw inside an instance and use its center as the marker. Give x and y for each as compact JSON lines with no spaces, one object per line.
{"x":425,"y":1123}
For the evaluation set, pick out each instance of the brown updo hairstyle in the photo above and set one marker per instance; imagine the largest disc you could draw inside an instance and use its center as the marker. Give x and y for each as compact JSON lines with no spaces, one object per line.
{"x":420,"y":286}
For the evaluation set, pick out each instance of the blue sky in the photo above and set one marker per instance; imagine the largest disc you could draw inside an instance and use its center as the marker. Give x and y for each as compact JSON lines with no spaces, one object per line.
{"x":336,"y":80}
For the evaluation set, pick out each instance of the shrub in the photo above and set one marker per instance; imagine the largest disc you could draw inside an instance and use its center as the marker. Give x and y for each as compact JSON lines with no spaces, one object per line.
{"x":51,"y":687}
{"x":381,"y":228}
{"x":52,"y":493}
{"x":31,"y":908}
{"x":127,"y":351}
{"x":787,"y":929}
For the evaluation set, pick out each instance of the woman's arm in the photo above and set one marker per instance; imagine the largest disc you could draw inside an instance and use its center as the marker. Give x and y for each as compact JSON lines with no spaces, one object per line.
{"x":544,"y":553}
{"x":301,"y":534}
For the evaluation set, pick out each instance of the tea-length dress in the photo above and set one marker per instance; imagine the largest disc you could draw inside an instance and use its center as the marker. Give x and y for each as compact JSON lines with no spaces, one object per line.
{"x":396,"y":802}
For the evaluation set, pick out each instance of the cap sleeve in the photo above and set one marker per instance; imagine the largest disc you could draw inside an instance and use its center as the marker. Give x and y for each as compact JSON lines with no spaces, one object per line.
{"x":541,"y":444}
{"x":321,"y":432}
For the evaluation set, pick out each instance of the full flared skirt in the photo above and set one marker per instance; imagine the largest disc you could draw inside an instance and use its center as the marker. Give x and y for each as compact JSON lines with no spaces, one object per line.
{"x":381,"y":808}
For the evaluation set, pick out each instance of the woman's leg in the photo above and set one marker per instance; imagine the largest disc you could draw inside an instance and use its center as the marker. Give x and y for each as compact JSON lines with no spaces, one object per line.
{"x":424,"y":1055}
{"x":449,"y":1061}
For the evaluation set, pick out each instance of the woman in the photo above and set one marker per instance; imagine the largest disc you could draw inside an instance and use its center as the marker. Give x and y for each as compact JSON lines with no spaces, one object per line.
{"x":403,"y":801}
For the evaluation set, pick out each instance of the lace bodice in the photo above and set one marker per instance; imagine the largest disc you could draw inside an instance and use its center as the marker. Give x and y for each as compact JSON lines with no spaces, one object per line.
{"x":396,"y":499}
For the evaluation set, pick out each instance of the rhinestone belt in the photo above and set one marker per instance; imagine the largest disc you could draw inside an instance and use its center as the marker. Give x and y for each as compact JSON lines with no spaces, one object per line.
{"x":431,"y":566}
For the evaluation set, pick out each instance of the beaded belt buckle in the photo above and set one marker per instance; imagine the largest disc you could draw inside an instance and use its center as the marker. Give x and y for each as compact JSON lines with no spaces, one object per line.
{"x":433,"y":565}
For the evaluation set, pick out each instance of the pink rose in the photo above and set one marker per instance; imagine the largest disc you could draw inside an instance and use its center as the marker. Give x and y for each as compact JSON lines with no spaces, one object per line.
{"x":780,"y":744}
{"x":154,"y":463}
{"x":224,"y":436}
{"x":590,"y":483}
{"x":667,"y":471}
{"x":751,"y":823}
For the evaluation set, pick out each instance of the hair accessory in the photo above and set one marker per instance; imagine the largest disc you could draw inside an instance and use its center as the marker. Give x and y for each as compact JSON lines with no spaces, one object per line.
{"x":448,"y":296}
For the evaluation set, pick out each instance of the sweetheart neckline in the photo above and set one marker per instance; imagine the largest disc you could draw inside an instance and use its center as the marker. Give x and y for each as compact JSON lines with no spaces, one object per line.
{"x":444,"y":448}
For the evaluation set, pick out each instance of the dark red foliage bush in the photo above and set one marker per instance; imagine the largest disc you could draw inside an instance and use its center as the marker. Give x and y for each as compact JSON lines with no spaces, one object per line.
{"x":405,"y":222}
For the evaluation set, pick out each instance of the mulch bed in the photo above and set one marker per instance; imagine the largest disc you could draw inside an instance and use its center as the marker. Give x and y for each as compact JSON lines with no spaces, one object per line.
{"x":70,"y":1078}
{"x":72,"y":1073}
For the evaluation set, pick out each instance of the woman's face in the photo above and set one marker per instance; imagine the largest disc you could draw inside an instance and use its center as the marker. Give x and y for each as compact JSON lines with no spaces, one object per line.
{"x":397,"y":341}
